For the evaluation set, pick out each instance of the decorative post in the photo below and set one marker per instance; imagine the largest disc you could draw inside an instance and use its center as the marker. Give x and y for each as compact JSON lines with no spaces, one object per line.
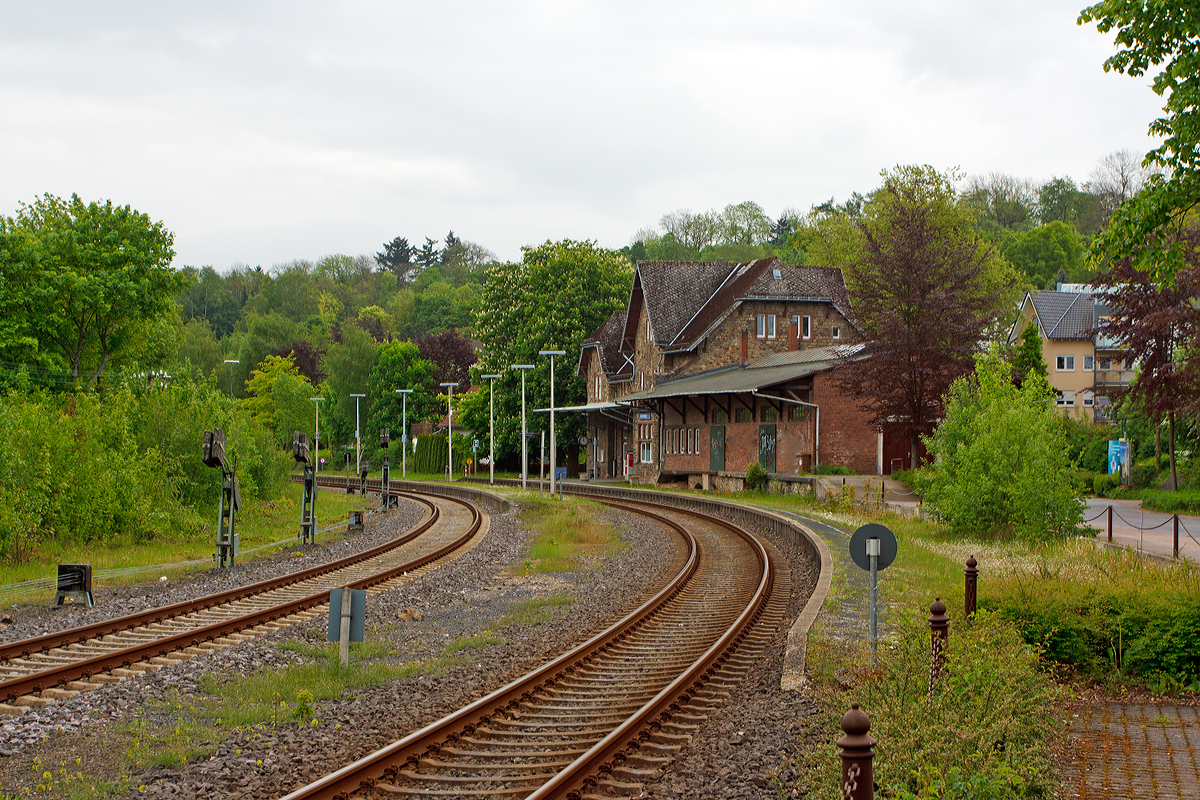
{"x":857,"y":750}
{"x":1110,"y":522}
{"x":1174,"y":536}
{"x":972,"y":584}
{"x":939,"y":635}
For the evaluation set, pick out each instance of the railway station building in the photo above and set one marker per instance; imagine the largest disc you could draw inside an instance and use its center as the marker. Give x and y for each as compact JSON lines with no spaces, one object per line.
{"x":714,"y":365}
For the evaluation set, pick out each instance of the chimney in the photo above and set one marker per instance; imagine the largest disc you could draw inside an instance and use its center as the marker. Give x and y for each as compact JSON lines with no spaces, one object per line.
{"x":744,"y":352}
{"x":792,"y":336}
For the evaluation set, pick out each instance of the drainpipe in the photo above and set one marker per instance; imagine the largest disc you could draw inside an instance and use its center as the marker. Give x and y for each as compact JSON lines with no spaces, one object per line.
{"x":817,"y":437}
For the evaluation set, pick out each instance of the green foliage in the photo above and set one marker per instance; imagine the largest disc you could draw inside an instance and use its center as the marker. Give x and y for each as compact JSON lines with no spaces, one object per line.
{"x":432,"y":454}
{"x":1029,"y":358}
{"x":1042,"y":252}
{"x":1003,"y":457}
{"x":279,"y":399}
{"x":1143,"y":475}
{"x":349,"y":365}
{"x":87,"y":467}
{"x":82,"y":284}
{"x":986,"y":730}
{"x":831,"y":469}
{"x":399,"y":365}
{"x":1181,"y":502}
{"x":1104,"y":485}
{"x":756,"y":476}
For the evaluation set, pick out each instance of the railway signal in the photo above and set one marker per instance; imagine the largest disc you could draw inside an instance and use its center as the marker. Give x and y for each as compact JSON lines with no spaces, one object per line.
{"x":385,"y":440}
{"x":308,"y":504}
{"x":213,"y":455}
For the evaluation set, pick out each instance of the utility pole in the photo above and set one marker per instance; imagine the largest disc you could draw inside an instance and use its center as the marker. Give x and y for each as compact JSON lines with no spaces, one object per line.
{"x":491,"y":428}
{"x":553,"y":461}
{"x":524,"y":457}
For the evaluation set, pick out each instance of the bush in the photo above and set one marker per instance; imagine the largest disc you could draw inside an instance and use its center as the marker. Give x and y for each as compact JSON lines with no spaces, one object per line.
{"x":433,"y":452}
{"x":1106,"y":485}
{"x":756,"y":476}
{"x":831,"y":469}
{"x":985,"y":732}
{"x":1143,"y":475}
{"x":1181,"y":502}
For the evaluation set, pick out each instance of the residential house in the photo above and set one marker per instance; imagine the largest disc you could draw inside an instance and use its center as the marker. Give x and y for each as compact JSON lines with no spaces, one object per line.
{"x":1080,"y":365}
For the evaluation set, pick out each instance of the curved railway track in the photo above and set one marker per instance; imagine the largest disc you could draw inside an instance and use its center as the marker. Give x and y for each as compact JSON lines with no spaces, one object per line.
{"x":606,"y":715}
{"x":39,"y":670}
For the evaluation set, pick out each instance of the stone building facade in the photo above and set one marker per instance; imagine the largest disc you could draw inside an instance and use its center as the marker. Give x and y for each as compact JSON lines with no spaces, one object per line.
{"x":714,"y":365}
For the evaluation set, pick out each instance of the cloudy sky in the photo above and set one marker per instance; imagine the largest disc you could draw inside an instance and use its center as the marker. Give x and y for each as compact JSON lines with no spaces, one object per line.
{"x":263,"y":132}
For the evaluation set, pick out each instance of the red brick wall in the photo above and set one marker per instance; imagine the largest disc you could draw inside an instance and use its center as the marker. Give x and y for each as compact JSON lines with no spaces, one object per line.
{"x":847,"y":438}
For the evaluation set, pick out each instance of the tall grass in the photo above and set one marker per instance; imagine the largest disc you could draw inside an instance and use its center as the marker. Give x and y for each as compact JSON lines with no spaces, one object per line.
{"x":567,"y":535}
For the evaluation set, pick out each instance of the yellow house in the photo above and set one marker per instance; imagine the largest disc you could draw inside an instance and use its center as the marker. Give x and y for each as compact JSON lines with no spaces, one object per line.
{"x":1080,"y":365}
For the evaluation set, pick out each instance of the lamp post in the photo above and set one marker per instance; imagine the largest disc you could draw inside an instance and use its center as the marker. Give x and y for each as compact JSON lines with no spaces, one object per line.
{"x":231,"y":362}
{"x":357,"y":438}
{"x":553,"y":462}
{"x":317,"y":431}
{"x":404,"y":393}
{"x":491,"y":428}
{"x":524,"y":459}
{"x":449,"y":387}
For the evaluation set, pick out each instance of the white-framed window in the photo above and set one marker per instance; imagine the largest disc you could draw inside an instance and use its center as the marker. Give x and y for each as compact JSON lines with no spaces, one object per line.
{"x":1064,"y":398}
{"x":1064,"y":363}
{"x":805,"y":327}
{"x":837,"y":332}
{"x":766,"y":326}
{"x":1089,"y":400}
{"x":646,"y":454}
{"x":770,"y":326}
{"x":1089,"y":363}
{"x":643,"y":380}
{"x":648,"y":328}
{"x":1105,"y":364}
{"x":597,"y":388}
{"x":691,"y":444}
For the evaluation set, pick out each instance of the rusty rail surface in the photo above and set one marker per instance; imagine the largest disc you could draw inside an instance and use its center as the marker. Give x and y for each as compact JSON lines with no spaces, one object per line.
{"x":83,"y":669}
{"x":387,"y":764}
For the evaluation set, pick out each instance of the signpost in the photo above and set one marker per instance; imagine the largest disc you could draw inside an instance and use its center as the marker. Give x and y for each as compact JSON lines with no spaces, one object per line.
{"x":873,"y":548}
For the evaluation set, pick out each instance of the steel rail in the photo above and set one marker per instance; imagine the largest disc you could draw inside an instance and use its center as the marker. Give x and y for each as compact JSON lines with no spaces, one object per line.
{"x":386,"y":763}
{"x":83,"y":669}
{"x":24,"y":648}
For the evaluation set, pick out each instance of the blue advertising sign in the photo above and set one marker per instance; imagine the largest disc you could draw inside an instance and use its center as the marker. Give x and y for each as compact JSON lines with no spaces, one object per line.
{"x":1118,"y":456}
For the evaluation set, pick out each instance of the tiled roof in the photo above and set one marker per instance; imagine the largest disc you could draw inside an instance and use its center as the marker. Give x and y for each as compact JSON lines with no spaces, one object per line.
{"x":686,"y":298}
{"x":607,"y":339}
{"x":1065,"y":315}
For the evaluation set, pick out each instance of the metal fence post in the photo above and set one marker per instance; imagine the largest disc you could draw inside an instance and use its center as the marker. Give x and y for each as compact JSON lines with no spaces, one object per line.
{"x":972,"y":582}
{"x":939,"y":635}
{"x":857,"y":752}
{"x":1174,"y":536}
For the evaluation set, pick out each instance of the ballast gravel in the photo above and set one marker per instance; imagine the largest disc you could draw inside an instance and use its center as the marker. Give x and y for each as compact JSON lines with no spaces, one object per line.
{"x":741,"y":752}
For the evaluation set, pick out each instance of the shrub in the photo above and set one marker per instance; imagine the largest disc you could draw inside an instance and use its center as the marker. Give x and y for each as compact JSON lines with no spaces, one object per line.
{"x":1106,"y":485}
{"x":1181,"y":502}
{"x":756,"y":476}
{"x":1143,"y":475}
{"x":433,"y":452}
{"x":831,"y":469}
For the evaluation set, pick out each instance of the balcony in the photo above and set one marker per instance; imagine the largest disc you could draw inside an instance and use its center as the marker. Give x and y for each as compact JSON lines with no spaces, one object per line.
{"x":1113,"y":377}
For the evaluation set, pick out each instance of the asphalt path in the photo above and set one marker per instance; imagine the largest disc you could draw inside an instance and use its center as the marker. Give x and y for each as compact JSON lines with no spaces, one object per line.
{"x":1146,"y":531}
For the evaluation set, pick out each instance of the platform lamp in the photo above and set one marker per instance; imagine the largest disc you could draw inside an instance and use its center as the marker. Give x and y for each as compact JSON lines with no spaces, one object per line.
{"x":524,"y":458}
{"x":231,"y":362}
{"x":357,"y":437}
{"x":449,"y":387}
{"x":491,"y":427}
{"x":317,"y":430}
{"x":553,"y":457}
{"x":404,"y":393}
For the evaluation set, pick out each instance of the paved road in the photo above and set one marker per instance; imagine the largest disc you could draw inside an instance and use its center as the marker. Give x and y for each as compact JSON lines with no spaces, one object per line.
{"x":1129,"y":519}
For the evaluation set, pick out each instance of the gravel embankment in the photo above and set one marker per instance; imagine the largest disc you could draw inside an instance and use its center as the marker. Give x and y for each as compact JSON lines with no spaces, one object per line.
{"x":735,"y":754}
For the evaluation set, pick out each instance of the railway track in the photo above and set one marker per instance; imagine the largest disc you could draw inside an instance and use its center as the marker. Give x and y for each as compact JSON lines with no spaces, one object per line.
{"x":607,"y":715}
{"x":41,"y":670}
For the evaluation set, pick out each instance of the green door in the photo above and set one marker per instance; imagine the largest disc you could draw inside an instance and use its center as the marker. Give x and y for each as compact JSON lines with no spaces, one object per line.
{"x":766,"y":447}
{"x":716,"y":448}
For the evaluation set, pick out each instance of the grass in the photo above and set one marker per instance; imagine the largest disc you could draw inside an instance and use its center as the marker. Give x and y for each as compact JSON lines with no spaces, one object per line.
{"x":567,"y":535}
{"x":533,"y":612}
{"x":259,"y":523}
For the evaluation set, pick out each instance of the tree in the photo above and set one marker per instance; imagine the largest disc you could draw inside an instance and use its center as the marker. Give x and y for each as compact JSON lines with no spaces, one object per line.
{"x":926,"y":292}
{"x":397,"y":258}
{"x":1158,"y":325}
{"x":554,"y":298}
{"x":1117,"y":177}
{"x":1157,"y":36}
{"x":349,"y":365}
{"x":1029,"y":360}
{"x":307,"y":358}
{"x":1042,"y":252}
{"x":691,"y":232}
{"x":278,"y":398}
{"x":1001,"y":202}
{"x":82,"y":279}
{"x":428,"y":253}
{"x":451,"y":354}
{"x":400,"y":366}
{"x":1002,"y":457}
{"x":745,"y":224}
{"x":1059,"y":199}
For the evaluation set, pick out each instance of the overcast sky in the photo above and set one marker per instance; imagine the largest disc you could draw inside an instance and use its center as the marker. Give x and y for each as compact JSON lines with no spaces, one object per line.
{"x":265,"y":132}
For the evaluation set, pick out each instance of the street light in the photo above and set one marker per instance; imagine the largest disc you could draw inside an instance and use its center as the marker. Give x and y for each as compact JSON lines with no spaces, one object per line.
{"x":553,"y":462}
{"x":449,"y":387}
{"x":317,"y":432}
{"x":404,"y":393}
{"x":491,"y":427}
{"x":524,"y":459}
{"x":231,"y":362}
{"x":357,"y":438}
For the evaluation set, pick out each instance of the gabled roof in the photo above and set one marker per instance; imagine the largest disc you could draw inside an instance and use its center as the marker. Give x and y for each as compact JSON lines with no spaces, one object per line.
{"x":686,"y":299}
{"x":605,"y":342}
{"x":1064,"y":315}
